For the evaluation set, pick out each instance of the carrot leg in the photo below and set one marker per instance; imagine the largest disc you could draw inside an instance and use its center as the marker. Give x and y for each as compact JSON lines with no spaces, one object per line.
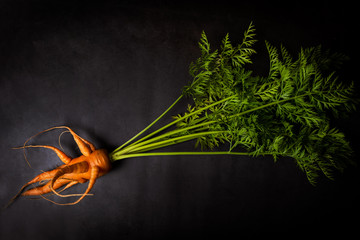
{"x":71,"y":171}
{"x":70,"y":184}
{"x":16,"y":196}
{"x":86,"y":148}
{"x":94,"y":175}
{"x":44,"y":189}
{"x":45,"y":176}
{"x":63,"y":157}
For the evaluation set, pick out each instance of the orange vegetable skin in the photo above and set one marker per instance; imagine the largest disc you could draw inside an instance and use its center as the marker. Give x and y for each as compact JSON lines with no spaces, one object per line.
{"x":92,"y":164}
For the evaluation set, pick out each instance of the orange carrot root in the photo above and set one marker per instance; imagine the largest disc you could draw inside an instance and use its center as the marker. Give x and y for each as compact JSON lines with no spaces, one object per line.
{"x":93,"y":163}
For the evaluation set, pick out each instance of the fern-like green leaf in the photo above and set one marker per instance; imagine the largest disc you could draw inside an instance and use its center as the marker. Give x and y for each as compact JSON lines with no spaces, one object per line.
{"x":284,"y":113}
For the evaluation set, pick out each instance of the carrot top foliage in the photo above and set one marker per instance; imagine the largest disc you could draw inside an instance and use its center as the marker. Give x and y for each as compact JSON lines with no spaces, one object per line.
{"x":286,"y":113}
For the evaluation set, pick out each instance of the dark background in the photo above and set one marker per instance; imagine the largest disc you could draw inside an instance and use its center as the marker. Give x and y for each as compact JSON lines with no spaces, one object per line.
{"x":107,"y":69}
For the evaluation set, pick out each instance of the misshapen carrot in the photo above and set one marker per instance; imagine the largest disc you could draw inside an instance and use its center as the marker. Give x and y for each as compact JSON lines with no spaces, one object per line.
{"x":92,"y":164}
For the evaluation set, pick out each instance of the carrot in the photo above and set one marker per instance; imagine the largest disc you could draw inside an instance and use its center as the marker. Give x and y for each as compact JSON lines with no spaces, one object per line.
{"x":284,"y":114}
{"x":93,"y":163}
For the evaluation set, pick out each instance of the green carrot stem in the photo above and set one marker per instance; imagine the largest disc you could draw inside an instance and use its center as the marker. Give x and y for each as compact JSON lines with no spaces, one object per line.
{"x":181,"y":119}
{"x":120,"y":157}
{"x":176,"y":154}
{"x":168,"y":142}
{"x":150,"y":125}
{"x":175,"y":140}
{"x":198,"y":127}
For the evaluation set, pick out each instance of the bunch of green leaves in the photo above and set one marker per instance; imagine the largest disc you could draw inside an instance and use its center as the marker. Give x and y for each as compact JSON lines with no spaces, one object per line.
{"x":286,"y":113}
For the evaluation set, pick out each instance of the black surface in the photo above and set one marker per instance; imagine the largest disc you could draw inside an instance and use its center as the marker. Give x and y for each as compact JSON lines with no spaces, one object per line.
{"x":107,"y":69}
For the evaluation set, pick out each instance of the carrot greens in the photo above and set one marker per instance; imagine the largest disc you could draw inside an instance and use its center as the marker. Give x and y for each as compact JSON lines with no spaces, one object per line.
{"x":286,"y":113}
